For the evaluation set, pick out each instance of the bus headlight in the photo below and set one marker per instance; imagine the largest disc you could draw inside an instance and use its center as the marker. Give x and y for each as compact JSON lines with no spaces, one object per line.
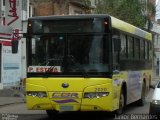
{"x":39,"y":94}
{"x":156,"y":102}
{"x":92,"y":95}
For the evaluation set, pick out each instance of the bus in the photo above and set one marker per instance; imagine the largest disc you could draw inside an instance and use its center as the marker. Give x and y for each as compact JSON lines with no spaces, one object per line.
{"x":92,"y":62}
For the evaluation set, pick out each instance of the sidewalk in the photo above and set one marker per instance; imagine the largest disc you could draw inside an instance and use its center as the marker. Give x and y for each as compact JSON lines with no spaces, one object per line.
{"x":155,"y":77}
{"x":11,"y":100}
{"x":11,"y":96}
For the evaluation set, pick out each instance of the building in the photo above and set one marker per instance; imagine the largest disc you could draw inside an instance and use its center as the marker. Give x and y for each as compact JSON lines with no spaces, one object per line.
{"x":156,"y":37}
{"x":13,"y":18}
{"x":5,"y":54}
{"x":60,"y":7}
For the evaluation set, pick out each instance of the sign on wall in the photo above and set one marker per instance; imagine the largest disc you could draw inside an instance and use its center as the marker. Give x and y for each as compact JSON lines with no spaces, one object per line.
{"x":13,"y":10}
{"x":11,"y":63}
{"x":11,"y":67}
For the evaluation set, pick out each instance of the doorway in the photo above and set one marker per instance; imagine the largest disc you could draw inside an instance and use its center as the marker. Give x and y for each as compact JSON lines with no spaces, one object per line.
{"x":1,"y":84}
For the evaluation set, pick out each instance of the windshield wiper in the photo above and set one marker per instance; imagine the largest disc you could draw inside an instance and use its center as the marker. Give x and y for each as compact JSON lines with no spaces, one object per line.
{"x":74,"y":64}
{"x":50,"y":69}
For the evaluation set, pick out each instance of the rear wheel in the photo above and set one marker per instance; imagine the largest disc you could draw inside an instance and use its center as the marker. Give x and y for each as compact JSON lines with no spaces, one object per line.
{"x":141,"y":102}
{"x":52,"y":113}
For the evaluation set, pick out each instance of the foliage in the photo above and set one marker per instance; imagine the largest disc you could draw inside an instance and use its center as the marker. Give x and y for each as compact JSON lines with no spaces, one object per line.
{"x":131,"y":11}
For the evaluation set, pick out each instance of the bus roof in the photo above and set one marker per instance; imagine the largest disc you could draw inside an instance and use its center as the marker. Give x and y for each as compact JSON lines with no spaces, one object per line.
{"x":116,"y":23}
{"x":81,"y":16}
{"x":126,"y":27}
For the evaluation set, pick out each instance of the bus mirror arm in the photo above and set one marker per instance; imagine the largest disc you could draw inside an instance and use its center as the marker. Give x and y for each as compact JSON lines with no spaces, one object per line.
{"x":116,"y":68}
{"x":20,"y":35}
{"x":16,"y":41}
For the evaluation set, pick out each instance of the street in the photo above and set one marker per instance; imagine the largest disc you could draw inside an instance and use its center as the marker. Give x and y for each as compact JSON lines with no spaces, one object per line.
{"x":19,"y":112}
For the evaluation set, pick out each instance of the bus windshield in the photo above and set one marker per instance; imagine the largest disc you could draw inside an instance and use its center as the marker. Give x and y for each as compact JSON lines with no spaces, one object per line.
{"x":68,"y":26}
{"x":69,"y":51}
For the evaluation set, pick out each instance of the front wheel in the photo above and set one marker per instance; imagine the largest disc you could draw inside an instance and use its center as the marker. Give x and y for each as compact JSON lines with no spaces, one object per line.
{"x":121,"y":104}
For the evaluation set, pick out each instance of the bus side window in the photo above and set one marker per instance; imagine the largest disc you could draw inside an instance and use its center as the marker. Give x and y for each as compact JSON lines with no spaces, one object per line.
{"x":130,"y":47}
{"x":146,"y":50}
{"x":136,"y":48}
{"x":123,"y":52}
{"x":142,"y":49}
{"x":150,"y":51}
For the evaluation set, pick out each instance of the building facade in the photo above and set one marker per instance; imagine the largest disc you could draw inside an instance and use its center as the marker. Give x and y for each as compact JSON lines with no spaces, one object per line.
{"x":156,"y":37}
{"x":11,"y":22}
{"x":60,"y":7}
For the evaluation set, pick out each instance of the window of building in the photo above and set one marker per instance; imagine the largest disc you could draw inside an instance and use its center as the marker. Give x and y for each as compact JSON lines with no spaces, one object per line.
{"x":78,"y":12}
{"x":31,"y":11}
{"x":3,"y":2}
{"x":24,"y":5}
{"x":0,"y":11}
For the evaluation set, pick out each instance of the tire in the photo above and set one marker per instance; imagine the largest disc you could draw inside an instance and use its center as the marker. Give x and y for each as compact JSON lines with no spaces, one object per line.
{"x":52,"y":113}
{"x":141,"y":102}
{"x":121,"y":104}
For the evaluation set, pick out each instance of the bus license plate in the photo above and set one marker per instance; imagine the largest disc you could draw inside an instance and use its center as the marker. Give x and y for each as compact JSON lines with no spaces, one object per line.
{"x":66,"y":108}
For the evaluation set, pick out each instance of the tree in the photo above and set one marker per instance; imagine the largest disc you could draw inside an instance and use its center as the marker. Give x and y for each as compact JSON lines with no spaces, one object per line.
{"x":131,"y":11}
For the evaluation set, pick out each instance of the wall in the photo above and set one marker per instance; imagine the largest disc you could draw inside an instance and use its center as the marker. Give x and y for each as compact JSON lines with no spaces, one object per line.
{"x":75,"y":10}
{"x":11,"y":63}
{"x":44,"y":9}
{"x":57,"y":7}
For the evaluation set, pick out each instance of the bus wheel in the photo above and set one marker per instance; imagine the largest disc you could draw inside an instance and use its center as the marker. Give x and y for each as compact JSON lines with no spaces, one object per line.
{"x":121,"y":104}
{"x":52,"y":113}
{"x":141,"y":102}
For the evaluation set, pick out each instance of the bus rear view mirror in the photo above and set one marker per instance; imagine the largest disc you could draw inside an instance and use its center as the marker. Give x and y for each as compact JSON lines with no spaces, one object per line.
{"x":117,"y":44}
{"x":14,"y":46}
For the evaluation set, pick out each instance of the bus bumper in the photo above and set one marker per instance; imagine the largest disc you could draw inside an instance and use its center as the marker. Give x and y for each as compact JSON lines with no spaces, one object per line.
{"x":71,"y":104}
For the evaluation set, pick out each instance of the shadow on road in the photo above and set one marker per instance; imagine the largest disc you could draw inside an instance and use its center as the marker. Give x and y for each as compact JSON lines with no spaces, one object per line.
{"x":71,"y":116}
